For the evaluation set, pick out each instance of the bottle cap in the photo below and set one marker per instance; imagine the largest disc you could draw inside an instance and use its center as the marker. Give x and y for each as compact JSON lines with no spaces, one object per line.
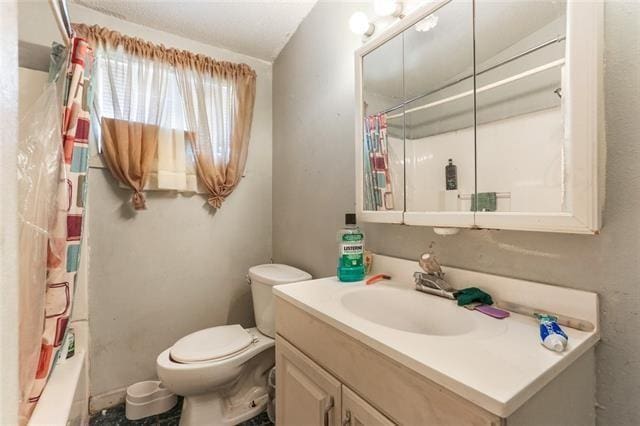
{"x":350,"y":219}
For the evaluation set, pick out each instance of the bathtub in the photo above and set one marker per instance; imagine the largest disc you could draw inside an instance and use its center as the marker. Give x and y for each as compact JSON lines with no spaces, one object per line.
{"x":65,"y":399}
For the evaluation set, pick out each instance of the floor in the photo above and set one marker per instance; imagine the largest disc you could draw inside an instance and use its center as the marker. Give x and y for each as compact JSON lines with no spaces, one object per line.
{"x":115,"y":417}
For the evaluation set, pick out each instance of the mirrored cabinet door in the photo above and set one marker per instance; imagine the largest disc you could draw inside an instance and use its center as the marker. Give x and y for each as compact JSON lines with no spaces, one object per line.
{"x":522,"y":148}
{"x":439,"y":117}
{"x":538,"y":120}
{"x":382,"y":171}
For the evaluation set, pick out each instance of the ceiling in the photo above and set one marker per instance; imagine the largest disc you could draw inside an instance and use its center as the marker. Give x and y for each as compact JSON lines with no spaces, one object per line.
{"x":258,"y":28}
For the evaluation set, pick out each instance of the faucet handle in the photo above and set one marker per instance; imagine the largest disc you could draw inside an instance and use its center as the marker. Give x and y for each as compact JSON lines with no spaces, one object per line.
{"x":429,"y":264}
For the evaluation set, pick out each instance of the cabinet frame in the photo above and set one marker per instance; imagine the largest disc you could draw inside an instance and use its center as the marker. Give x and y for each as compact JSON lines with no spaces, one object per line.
{"x":584,"y":121}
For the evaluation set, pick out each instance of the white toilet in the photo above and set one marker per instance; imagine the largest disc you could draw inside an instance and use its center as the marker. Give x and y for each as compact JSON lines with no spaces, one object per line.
{"x":222,"y":371}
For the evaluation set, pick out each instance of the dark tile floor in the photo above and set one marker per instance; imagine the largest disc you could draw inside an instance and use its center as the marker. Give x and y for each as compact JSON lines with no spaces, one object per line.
{"x":115,"y":417}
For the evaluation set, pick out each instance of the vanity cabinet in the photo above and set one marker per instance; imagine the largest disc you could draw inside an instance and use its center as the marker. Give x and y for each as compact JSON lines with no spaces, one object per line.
{"x":483,"y":115}
{"x":326,"y":377}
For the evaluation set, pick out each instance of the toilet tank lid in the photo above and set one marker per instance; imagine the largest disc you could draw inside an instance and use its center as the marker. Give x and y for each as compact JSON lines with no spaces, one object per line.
{"x":211,"y":344}
{"x":275,"y":273}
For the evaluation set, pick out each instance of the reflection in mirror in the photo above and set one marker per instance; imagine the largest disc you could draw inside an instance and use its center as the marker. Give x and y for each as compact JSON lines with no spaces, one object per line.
{"x":520,"y":142}
{"x":383,"y":161}
{"x":439,"y":117}
{"x":382,"y":77}
{"x":383,"y":128}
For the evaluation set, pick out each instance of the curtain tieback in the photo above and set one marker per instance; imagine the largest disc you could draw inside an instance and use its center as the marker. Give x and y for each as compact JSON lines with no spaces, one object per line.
{"x":215,"y":200}
{"x":138,"y":200}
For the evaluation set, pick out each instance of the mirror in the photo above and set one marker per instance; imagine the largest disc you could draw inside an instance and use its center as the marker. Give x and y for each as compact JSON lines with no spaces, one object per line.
{"x":484,"y":114}
{"x":520,"y":141}
{"x":383,"y":128}
{"x":439,"y":117}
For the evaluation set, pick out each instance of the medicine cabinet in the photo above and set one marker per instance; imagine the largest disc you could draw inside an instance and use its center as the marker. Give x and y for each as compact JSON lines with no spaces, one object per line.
{"x":483,"y":114}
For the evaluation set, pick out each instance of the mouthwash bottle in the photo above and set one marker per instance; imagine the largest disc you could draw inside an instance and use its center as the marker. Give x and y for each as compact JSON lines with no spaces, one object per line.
{"x":350,"y":251}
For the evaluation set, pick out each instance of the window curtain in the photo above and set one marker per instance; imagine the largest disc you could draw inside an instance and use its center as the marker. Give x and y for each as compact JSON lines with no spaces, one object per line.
{"x":131,"y":105}
{"x":52,"y":187}
{"x":218,"y":104}
{"x":215,"y":111}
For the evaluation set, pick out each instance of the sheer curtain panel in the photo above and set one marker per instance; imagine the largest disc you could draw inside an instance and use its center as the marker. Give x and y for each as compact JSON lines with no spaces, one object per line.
{"x":131,"y":105}
{"x":218,"y":104}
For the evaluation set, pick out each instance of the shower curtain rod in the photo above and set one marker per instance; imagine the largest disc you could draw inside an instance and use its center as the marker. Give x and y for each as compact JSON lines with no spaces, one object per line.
{"x":533,"y":71}
{"x":557,"y":39}
{"x":61,"y":15}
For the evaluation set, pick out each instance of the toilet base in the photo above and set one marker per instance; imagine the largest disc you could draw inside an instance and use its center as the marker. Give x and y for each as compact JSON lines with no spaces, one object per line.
{"x":217,"y":410}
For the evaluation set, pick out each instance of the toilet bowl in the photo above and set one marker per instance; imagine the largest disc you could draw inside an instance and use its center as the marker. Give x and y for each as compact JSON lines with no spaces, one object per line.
{"x":222,"y":371}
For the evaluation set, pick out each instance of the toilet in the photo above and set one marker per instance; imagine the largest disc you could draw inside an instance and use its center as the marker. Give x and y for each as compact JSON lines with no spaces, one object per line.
{"x":222,"y":371}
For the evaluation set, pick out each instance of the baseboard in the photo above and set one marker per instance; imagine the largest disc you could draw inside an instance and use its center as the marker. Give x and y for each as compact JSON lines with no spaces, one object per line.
{"x":106,"y":400}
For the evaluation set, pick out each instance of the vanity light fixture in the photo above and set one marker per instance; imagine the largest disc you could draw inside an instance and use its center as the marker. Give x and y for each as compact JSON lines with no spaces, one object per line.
{"x":387,"y":8}
{"x":427,"y":24}
{"x":359,"y":24}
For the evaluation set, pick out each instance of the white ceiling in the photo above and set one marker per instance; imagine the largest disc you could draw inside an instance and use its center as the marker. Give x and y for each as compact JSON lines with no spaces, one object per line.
{"x":258,"y":28}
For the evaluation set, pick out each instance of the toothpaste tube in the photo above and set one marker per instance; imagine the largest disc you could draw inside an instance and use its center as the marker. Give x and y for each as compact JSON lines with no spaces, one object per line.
{"x":552,"y":336}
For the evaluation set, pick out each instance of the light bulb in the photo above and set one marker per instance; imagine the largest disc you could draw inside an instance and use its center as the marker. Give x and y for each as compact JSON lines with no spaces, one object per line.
{"x":359,"y":24}
{"x":387,"y":7}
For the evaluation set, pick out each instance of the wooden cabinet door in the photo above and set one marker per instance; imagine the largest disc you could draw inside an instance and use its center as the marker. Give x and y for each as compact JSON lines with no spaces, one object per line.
{"x":357,"y":412}
{"x":306,"y":395}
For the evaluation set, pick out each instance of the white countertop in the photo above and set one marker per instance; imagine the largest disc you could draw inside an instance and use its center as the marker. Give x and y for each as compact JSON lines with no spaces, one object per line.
{"x":499,"y":366}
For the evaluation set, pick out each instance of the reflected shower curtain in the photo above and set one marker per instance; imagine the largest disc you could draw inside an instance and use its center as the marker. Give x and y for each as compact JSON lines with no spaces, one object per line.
{"x":378,"y":190}
{"x":49,"y":303}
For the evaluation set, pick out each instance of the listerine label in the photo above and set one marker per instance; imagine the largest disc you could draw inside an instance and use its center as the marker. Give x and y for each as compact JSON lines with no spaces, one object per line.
{"x":351,"y":250}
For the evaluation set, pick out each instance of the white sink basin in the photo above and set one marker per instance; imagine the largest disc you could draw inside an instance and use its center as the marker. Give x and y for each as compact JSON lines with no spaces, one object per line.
{"x":410,"y":311}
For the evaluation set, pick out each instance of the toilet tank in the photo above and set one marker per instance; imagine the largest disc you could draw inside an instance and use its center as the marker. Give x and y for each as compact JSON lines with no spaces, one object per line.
{"x":263,"y":278}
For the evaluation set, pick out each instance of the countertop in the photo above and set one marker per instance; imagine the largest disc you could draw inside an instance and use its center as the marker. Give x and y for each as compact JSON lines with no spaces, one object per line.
{"x":498,"y":367}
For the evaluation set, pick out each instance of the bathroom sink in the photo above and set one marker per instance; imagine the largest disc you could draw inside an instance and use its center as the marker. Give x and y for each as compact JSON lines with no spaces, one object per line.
{"x":407,"y":310}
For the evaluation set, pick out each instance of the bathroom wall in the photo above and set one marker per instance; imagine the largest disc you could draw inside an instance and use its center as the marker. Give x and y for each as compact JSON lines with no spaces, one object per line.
{"x":313,"y":185}
{"x":179,"y":266}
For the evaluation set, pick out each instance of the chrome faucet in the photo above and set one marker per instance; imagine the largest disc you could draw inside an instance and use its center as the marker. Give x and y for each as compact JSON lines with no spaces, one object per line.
{"x":432,"y":279}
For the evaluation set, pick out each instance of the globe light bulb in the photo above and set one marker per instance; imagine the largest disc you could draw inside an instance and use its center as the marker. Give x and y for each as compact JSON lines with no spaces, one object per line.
{"x":359,"y":24}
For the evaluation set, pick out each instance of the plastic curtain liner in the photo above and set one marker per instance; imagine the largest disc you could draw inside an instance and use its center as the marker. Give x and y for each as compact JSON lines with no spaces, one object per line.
{"x":52,"y":167}
{"x":39,"y":154}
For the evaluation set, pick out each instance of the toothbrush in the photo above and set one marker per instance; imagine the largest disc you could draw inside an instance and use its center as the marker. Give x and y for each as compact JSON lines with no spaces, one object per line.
{"x":378,"y":277}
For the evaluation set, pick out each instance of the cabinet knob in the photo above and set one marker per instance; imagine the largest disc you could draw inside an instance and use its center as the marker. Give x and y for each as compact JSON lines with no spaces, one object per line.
{"x":347,"y":418}
{"x":327,"y":412}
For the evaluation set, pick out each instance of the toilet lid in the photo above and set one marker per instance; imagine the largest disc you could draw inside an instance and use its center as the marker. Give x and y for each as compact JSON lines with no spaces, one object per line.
{"x":211,"y":343}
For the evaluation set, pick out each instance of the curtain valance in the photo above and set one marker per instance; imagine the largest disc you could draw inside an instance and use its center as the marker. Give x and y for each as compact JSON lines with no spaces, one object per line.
{"x":97,"y":35}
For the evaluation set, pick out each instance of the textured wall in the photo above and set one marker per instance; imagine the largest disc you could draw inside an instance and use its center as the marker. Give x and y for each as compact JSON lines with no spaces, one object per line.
{"x":177,"y":267}
{"x":313,"y":186}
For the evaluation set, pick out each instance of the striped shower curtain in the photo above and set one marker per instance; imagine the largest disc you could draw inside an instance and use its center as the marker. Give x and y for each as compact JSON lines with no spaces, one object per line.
{"x":65,"y":233}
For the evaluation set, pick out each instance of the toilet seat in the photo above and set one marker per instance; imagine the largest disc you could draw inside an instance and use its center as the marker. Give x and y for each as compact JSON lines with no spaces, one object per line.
{"x":211,"y":344}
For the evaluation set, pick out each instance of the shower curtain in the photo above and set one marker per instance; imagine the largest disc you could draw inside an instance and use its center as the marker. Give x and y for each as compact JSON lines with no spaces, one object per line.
{"x":46,"y":298}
